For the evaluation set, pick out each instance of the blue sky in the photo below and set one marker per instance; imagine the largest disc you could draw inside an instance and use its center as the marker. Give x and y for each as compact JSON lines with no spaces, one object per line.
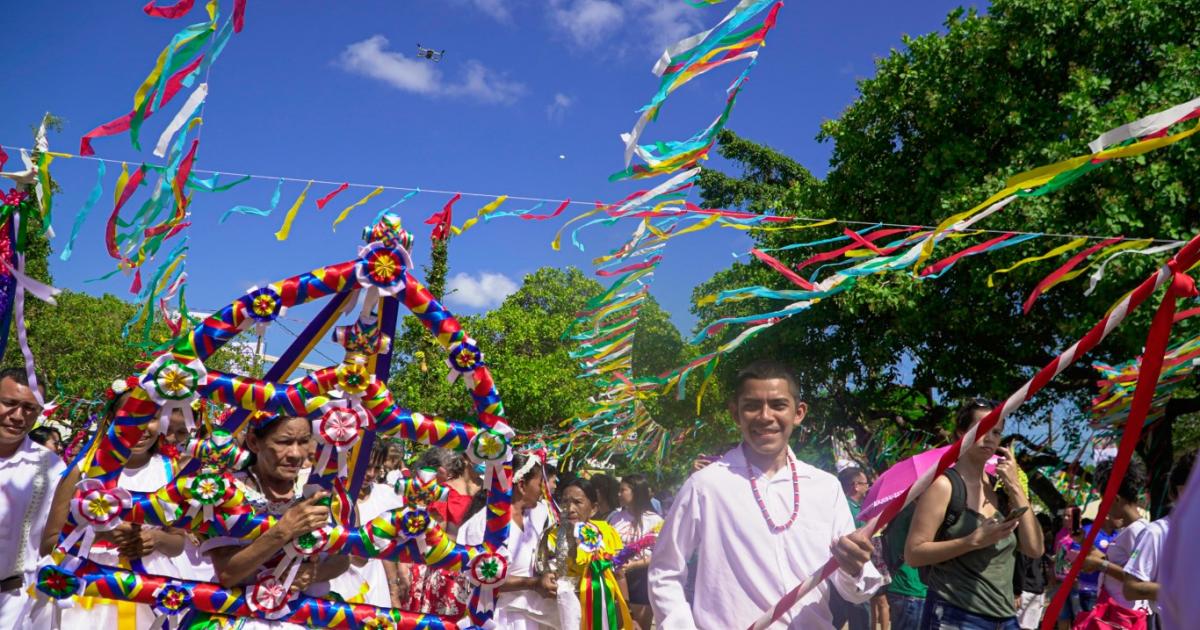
{"x":528,"y":101}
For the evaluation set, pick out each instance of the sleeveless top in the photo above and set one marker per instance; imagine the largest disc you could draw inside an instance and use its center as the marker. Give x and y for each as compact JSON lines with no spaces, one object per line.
{"x":981,"y":581}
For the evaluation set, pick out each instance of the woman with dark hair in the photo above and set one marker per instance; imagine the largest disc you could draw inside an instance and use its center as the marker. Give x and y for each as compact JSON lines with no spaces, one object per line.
{"x":48,"y":437}
{"x":635,"y":520}
{"x":146,"y":470}
{"x":521,"y":603}
{"x":968,"y":534}
{"x":608,"y":492}
{"x":587,"y":574}
{"x":273,"y":484}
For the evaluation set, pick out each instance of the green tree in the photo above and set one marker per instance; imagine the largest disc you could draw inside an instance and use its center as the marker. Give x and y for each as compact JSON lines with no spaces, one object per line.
{"x":523,"y":344}
{"x":938,"y":128}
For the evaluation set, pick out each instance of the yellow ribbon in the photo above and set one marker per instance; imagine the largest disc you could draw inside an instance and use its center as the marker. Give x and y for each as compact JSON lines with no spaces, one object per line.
{"x":1057,"y":251}
{"x":484,"y":211}
{"x":284,"y":231}
{"x":342,"y":217}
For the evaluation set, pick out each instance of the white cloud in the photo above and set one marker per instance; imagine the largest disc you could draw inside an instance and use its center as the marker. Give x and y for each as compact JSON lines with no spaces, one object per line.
{"x":654,"y":23}
{"x":587,"y":22}
{"x":497,"y":9}
{"x":486,"y":291}
{"x":666,"y":22}
{"x":371,"y":58}
{"x":557,"y":108}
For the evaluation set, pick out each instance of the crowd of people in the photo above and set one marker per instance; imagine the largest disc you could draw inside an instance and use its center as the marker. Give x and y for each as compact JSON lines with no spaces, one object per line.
{"x":593,"y":549}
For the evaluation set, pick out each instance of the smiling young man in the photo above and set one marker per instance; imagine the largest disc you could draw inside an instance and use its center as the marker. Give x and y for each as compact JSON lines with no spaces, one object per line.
{"x":758,"y":521}
{"x":28,"y":474}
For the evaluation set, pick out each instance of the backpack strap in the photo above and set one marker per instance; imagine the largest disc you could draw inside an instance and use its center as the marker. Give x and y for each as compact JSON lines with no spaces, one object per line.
{"x":957,"y":505}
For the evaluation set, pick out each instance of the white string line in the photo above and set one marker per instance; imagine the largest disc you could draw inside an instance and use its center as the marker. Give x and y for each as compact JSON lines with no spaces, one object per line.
{"x":590,"y":204}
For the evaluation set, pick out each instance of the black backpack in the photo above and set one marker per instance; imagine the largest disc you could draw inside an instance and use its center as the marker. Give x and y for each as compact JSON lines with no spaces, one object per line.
{"x":954,"y":511}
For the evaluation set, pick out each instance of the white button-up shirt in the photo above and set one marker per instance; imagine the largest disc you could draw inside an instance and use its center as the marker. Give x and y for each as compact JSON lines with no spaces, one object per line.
{"x":32,"y":472}
{"x":742,"y":568}
{"x":33,"y":469}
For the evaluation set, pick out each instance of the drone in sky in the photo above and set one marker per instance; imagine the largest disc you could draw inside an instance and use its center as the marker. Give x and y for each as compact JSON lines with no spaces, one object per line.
{"x":429,"y":53}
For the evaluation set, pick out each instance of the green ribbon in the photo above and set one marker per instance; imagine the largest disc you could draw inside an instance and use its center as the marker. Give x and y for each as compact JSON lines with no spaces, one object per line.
{"x":605,"y":613}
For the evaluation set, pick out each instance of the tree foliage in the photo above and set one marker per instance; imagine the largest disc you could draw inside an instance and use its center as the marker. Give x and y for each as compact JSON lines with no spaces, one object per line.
{"x":523,"y":344}
{"x":938,"y":128}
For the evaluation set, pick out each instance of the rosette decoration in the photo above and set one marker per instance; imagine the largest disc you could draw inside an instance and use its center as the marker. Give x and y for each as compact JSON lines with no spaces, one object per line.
{"x":96,"y":508}
{"x":264,"y":306}
{"x":219,"y":451}
{"x":173,"y":381}
{"x":353,"y":377}
{"x":296,"y":552}
{"x":170,"y":601}
{"x":205,"y":492}
{"x":493,"y":448}
{"x":422,"y":489}
{"x":269,"y":596}
{"x":58,"y":583}
{"x":588,"y":537}
{"x":381,"y":267}
{"x":488,"y":571}
{"x":464,"y":358}
{"x":338,"y":428}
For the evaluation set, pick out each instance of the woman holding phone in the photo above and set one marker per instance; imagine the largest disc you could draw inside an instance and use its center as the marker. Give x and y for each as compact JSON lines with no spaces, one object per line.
{"x":967,"y":533}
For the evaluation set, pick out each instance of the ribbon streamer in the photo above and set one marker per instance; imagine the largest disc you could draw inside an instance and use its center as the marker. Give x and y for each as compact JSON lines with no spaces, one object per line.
{"x":81,"y":216}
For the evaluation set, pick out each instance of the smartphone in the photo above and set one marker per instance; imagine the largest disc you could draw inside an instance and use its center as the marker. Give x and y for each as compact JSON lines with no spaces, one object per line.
{"x":1015,"y":514}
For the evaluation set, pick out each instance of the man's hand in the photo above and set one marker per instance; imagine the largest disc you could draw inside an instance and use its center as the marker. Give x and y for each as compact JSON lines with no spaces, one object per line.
{"x":852,"y":552}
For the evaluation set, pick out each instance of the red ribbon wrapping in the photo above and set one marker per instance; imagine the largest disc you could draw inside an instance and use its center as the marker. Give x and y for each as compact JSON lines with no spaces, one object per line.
{"x":1157,"y":339}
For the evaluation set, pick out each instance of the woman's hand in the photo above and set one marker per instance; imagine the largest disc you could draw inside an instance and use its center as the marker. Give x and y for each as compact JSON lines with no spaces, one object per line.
{"x":1093,"y":561}
{"x":305,"y":576}
{"x":304,"y":517}
{"x":991,"y":532}
{"x":1009,"y":472}
{"x":549,"y":584}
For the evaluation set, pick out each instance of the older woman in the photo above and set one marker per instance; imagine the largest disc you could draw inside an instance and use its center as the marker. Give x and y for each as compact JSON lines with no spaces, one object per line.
{"x":273,"y":484}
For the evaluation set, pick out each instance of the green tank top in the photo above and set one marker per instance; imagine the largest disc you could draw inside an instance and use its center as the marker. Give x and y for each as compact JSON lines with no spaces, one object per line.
{"x":981,"y":581}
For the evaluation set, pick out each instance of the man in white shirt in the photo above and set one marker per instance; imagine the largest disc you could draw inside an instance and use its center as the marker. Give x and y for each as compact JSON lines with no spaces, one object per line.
{"x":759,"y":522}
{"x":28,"y":475}
{"x":1126,"y":517}
{"x":1142,"y":572}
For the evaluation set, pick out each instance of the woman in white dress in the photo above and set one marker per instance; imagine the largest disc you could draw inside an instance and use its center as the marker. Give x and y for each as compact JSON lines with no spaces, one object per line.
{"x":371,"y":581}
{"x":635,"y":520}
{"x":521,"y":603}
{"x":145,"y":471}
{"x":273,"y":483}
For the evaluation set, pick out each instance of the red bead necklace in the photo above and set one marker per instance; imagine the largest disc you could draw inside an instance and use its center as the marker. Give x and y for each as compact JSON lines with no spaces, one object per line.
{"x":762,"y":505}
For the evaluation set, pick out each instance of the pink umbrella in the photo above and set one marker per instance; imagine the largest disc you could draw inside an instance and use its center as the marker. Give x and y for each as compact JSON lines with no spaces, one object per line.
{"x":895,"y":480}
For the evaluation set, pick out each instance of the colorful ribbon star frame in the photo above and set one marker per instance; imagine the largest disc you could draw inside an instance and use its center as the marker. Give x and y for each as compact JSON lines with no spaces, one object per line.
{"x":210,"y":504}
